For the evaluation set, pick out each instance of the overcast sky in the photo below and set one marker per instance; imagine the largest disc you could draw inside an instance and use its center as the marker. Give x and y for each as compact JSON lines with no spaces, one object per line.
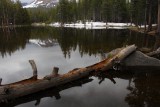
{"x":26,"y":1}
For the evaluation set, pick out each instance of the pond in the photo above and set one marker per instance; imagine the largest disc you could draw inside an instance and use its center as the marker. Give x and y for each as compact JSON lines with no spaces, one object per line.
{"x":67,"y":49}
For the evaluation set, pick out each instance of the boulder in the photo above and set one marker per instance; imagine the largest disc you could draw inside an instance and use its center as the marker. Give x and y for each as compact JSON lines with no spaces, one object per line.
{"x":139,"y":61}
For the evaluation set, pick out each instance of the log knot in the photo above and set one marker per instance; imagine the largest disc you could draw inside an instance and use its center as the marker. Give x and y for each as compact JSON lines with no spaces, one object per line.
{"x":49,"y":77}
{"x":116,"y":64}
{"x":5,"y":90}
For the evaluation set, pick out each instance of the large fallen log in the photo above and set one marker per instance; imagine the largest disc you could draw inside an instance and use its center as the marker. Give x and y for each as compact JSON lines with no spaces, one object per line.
{"x":154,"y":53}
{"x":19,"y":89}
{"x":51,"y":92}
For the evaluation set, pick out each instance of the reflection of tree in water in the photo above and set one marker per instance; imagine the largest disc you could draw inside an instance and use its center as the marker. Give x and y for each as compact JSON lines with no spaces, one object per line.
{"x":145,"y":92}
{"x":86,"y":41}
{"x":144,"y":87}
{"x":13,"y":40}
{"x":91,"y":41}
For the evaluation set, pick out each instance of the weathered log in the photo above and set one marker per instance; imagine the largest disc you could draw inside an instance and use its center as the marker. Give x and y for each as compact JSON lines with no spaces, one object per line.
{"x":55,"y":71}
{"x":119,"y":57}
{"x":19,"y":90}
{"x":53,"y":92}
{"x":34,"y":67}
{"x":54,"y":74}
{"x":0,"y":81}
{"x":154,"y":53}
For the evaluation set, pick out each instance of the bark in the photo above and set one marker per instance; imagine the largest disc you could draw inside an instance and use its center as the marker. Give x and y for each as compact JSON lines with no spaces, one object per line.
{"x":34,"y":67}
{"x":150,"y":16}
{"x":53,"y":92}
{"x":154,"y":53}
{"x":158,"y":30}
{"x":146,"y":14}
{"x":20,"y":89}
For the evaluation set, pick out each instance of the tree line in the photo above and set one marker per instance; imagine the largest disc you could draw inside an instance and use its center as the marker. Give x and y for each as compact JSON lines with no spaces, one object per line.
{"x":135,"y":11}
{"x":12,"y":13}
{"x":139,"y":12}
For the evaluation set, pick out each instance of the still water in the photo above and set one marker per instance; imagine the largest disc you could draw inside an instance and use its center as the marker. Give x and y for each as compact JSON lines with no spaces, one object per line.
{"x":67,"y":49}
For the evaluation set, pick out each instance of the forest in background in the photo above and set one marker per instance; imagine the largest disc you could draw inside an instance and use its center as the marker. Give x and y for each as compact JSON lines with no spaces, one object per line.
{"x":12,"y":13}
{"x":139,"y":12}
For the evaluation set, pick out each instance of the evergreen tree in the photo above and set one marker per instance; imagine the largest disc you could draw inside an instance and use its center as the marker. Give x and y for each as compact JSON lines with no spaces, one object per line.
{"x":12,"y":13}
{"x":158,"y":30}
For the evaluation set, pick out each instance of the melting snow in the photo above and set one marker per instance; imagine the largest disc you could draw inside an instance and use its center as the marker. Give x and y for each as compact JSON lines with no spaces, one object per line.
{"x":93,"y":25}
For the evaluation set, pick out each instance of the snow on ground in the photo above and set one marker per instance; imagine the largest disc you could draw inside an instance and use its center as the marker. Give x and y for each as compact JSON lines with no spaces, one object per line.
{"x":56,"y":24}
{"x":117,"y":27}
{"x":119,"y":24}
{"x":93,"y":25}
{"x":143,"y":26}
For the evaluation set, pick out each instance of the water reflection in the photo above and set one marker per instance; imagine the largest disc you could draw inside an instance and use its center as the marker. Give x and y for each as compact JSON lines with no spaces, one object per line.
{"x":87,"y":41}
{"x":73,"y":48}
{"x":13,"y":40}
{"x":143,"y":88}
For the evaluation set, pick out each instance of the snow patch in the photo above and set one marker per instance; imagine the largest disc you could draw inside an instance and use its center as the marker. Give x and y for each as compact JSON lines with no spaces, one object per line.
{"x":143,"y":26}
{"x":119,"y":24}
{"x":93,"y":25}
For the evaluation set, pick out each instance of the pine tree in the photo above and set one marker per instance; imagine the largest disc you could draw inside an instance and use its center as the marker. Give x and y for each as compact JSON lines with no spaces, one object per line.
{"x":158,"y":30}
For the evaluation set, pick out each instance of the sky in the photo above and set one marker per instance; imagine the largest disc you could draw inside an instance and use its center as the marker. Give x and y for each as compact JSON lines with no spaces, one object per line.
{"x":26,"y":1}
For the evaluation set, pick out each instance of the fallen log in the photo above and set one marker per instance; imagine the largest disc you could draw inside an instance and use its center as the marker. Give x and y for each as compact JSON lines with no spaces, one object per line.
{"x":154,"y":53}
{"x":52,"y":92}
{"x":23,"y":88}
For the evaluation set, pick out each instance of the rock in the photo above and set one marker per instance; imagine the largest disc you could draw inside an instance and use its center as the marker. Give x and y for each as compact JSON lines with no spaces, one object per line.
{"x":140,"y":61}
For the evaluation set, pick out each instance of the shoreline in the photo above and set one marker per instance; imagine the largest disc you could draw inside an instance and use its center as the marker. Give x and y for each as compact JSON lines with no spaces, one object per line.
{"x":153,"y":32}
{"x":14,"y":26}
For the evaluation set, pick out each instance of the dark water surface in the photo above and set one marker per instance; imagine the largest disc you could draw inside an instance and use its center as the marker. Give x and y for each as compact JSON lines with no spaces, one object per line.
{"x":75,"y":48}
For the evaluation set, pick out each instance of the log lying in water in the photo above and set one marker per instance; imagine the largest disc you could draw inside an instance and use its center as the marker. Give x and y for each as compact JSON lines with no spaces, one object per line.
{"x":19,"y":89}
{"x":154,"y":53}
{"x":51,"y":92}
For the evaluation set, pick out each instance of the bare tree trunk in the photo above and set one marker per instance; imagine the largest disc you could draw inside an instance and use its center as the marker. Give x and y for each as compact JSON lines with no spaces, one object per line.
{"x":158,"y":29}
{"x":145,"y":20}
{"x":150,"y":16}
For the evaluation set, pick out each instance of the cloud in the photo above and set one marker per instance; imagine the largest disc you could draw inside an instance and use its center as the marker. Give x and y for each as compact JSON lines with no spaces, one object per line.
{"x":26,"y":1}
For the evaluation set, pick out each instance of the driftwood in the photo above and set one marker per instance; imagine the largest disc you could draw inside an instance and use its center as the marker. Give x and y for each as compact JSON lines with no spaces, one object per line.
{"x":52,"y":92}
{"x":154,"y":53}
{"x":30,"y":86}
{"x":34,"y":67}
